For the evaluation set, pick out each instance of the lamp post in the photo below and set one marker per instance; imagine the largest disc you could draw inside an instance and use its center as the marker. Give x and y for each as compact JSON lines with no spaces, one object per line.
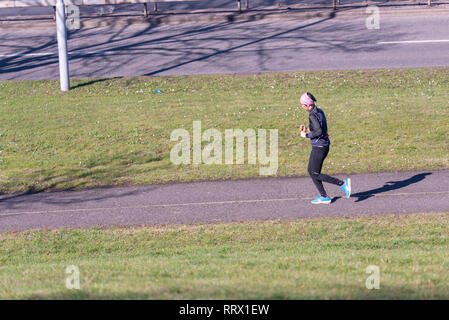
{"x":61,"y":32}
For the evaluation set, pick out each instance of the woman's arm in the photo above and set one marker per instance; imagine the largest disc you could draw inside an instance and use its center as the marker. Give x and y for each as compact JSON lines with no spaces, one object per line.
{"x":316,"y":127}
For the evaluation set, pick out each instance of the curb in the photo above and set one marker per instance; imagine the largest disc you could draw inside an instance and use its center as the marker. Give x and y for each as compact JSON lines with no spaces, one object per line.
{"x":304,"y":12}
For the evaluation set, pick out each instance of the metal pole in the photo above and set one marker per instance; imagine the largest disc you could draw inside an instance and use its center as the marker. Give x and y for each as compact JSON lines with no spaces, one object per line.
{"x":155,"y":7}
{"x":61,"y":32}
{"x":239,"y":6}
{"x":145,"y":10}
{"x":247,"y":4}
{"x":334,"y":4}
{"x":429,"y":2}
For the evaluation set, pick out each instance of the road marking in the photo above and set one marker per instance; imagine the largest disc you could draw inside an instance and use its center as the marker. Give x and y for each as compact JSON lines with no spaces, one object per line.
{"x":412,"y":41}
{"x":155,"y":205}
{"x":168,"y":205}
{"x":410,"y":193}
{"x":90,"y":52}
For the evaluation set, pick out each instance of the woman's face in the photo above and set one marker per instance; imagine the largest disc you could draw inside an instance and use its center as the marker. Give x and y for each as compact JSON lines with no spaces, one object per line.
{"x":306,"y":107}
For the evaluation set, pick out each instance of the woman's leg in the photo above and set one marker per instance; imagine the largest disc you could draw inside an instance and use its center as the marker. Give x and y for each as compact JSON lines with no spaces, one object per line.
{"x":316,"y":160}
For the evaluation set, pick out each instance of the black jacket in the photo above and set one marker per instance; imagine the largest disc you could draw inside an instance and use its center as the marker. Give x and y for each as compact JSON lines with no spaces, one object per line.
{"x":318,"y":128}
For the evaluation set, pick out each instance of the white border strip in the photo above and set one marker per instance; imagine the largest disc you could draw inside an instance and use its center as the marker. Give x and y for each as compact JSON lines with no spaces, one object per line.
{"x":412,"y":41}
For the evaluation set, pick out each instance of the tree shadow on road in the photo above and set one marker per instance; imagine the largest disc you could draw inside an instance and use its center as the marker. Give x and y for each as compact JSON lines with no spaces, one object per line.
{"x":389,"y":186}
{"x":153,"y":50}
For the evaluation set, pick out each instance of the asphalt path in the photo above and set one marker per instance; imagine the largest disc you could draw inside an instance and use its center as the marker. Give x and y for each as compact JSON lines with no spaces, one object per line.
{"x":176,"y":6}
{"x":230,"y":47}
{"x":225,"y":201}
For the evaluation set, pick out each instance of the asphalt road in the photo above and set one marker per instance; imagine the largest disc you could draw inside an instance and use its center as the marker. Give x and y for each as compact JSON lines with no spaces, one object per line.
{"x":208,"y":202}
{"x":230,"y":47}
{"x":177,"y":5}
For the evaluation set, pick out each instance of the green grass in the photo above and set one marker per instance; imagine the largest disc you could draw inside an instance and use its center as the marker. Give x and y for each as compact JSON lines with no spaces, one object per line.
{"x":117,"y":131}
{"x":312,"y":258}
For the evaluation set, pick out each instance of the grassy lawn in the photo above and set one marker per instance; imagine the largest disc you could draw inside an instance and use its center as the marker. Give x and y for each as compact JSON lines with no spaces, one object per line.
{"x":313,"y":258}
{"x":117,"y":131}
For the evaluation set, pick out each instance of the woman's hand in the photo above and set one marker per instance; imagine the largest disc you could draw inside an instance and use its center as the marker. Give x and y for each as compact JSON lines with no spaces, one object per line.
{"x":304,"y":131}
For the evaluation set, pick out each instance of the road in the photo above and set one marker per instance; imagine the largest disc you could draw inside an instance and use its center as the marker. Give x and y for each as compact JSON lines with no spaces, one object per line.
{"x":230,"y":47}
{"x":178,"y":5}
{"x":219,"y":201}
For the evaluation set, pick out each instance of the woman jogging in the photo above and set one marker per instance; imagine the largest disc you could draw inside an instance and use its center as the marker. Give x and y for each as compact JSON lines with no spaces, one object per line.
{"x":317,"y":133}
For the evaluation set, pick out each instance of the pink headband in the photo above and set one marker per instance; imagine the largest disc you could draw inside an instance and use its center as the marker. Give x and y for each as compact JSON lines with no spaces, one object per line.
{"x":305,"y":99}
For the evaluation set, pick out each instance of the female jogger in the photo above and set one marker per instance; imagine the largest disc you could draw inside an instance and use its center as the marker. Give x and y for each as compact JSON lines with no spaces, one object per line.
{"x":319,"y":139}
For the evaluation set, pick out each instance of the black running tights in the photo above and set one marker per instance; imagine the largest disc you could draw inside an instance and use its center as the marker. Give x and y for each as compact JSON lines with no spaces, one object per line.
{"x":316,"y":159}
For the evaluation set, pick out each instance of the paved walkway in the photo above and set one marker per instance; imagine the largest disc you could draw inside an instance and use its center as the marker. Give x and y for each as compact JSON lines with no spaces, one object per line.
{"x":219,"y":201}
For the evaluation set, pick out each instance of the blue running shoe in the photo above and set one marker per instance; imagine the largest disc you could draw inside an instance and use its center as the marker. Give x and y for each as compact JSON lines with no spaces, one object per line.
{"x":321,"y":199}
{"x":347,"y":187}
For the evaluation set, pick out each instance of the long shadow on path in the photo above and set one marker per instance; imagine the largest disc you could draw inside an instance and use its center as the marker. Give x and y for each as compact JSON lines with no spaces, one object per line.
{"x":390,"y":185}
